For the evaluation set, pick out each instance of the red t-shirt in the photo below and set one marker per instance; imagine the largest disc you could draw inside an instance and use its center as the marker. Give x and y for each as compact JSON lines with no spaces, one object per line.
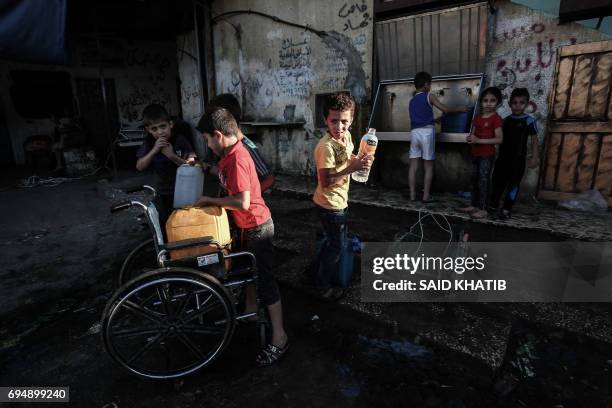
{"x":237,"y":174}
{"x":484,"y":128}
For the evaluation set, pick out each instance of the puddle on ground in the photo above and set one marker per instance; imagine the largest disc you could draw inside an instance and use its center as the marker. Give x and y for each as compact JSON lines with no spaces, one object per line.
{"x":379,"y":348}
{"x":377,"y":352}
{"x":556,"y":368}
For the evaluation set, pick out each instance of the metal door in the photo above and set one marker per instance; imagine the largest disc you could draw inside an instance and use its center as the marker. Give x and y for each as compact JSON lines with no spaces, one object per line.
{"x":445,"y":42}
{"x":578,"y":152}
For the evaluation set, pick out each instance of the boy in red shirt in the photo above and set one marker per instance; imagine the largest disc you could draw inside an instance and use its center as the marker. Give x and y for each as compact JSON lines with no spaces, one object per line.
{"x":486,"y":133}
{"x":238,"y":176}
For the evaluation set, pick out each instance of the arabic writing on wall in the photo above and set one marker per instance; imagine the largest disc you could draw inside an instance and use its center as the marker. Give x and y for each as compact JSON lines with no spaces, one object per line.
{"x":293,"y":77}
{"x":526,"y":55}
{"x":294,"y":54}
{"x":140,"y":57}
{"x":132,"y":104}
{"x":356,"y":15}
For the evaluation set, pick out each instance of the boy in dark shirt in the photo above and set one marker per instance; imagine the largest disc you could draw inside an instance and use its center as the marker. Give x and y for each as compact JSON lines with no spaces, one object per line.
{"x":510,"y":164}
{"x":164,"y":151}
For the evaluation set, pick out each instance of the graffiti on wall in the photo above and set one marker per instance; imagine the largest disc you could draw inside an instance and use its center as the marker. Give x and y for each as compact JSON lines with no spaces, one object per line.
{"x":132,"y":104}
{"x":294,"y":54}
{"x":342,"y":48}
{"x":190,"y":93}
{"x":355,"y":15}
{"x":291,"y":78}
{"x":522,"y":31}
{"x":290,"y":72}
{"x":295,"y":73}
{"x":530,"y":65}
{"x":139,"y":57}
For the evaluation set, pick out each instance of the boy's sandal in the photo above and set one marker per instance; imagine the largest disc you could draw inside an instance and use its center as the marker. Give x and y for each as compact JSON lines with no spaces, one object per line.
{"x":468,"y":209}
{"x":429,"y":200}
{"x":271,"y":354}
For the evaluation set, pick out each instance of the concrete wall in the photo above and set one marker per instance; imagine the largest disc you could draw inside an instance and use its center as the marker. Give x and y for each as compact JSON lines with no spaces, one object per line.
{"x":522,"y":52}
{"x":276,"y":70}
{"x":272,"y":67}
{"x":192,"y":102}
{"x":144,"y":72}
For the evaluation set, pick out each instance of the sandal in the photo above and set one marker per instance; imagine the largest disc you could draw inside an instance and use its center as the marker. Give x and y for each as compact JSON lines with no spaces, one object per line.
{"x":271,"y":354}
{"x":429,"y":199}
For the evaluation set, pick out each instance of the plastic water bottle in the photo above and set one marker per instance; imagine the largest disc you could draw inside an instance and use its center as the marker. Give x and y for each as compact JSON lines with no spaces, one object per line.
{"x":189,"y":185}
{"x":368,"y":144}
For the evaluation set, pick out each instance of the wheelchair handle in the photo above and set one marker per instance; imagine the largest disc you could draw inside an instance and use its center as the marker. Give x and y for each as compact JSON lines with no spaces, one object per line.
{"x":121,"y":206}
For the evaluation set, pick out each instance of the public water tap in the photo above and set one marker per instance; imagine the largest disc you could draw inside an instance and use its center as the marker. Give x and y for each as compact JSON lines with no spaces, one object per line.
{"x":467,"y":90}
{"x":440,"y":92}
{"x":390,"y":95}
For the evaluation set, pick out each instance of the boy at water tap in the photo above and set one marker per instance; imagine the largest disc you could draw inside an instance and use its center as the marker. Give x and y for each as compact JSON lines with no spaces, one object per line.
{"x":423,"y":133}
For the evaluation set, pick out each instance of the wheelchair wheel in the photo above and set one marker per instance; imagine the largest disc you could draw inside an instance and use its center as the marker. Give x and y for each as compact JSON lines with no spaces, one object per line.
{"x":142,"y":259}
{"x":168,"y":323}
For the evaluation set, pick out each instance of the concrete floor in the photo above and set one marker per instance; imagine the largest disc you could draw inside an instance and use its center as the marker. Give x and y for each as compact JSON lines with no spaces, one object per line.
{"x":529,"y":216}
{"x":61,"y":250}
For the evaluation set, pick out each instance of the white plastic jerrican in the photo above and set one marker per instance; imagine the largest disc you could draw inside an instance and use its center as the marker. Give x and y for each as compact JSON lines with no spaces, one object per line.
{"x":189,"y":185}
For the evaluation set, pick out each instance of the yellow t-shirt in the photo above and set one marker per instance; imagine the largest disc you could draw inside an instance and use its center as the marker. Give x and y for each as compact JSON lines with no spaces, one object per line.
{"x":329,"y":154}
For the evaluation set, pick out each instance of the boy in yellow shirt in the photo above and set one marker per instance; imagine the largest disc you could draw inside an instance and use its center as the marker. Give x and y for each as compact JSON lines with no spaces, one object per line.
{"x":335,"y":161}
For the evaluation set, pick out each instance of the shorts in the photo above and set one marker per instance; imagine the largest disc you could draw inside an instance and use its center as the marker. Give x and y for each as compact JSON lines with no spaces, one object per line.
{"x":423,"y":143}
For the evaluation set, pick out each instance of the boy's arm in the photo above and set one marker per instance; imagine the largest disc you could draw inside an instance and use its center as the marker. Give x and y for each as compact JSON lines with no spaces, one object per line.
{"x":237,"y":179}
{"x":326,"y":178}
{"x":145,"y":161}
{"x":435,"y":102}
{"x":168,"y":151}
{"x":212,"y":169}
{"x":240,"y":201}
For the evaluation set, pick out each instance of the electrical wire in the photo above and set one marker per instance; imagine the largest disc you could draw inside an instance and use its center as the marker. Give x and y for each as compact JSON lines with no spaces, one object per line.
{"x":419,"y":222}
{"x":320,"y":33}
{"x":35,"y":181}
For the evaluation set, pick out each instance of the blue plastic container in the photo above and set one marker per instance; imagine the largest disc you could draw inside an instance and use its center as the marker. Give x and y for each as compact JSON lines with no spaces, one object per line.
{"x":344,"y":273}
{"x":457,"y":122}
{"x":345,"y":266}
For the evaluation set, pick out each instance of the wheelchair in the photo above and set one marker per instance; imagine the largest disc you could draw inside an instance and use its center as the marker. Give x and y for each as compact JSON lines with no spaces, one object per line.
{"x":171,"y":317}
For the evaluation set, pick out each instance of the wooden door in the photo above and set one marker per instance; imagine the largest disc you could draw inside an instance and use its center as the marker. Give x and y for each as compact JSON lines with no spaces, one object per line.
{"x":578,"y":152}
